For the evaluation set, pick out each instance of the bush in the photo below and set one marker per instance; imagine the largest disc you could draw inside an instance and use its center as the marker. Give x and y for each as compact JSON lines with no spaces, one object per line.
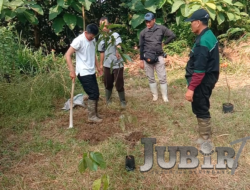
{"x":9,"y":49}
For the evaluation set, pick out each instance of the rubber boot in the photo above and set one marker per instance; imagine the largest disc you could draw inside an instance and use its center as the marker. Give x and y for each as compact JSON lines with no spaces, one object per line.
{"x":164,"y":92}
{"x":122,"y":99}
{"x":96,"y":110}
{"x":205,"y":131}
{"x":153,"y":88}
{"x":108,"y":94}
{"x":92,"y":112}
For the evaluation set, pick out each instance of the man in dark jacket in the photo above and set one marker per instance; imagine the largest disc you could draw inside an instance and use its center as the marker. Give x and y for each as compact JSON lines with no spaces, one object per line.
{"x":151,"y":54}
{"x":202,"y":71}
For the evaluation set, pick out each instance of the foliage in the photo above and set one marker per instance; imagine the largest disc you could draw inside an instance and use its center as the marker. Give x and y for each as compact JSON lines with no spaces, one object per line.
{"x":91,"y":161}
{"x":23,"y":10}
{"x":8,"y":56}
{"x":176,"y":47}
{"x":19,"y":59}
{"x":232,"y":33}
{"x":220,"y":11}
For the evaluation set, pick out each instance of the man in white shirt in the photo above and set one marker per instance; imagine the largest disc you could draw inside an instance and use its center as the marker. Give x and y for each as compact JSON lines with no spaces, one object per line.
{"x":111,"y":62}
{"x":86,"y":62}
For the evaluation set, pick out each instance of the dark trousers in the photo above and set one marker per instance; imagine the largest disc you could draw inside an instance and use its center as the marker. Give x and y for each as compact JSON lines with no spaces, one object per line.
{"x":90,"y":86}
{"x":201,"y":104}
{"x":115,"y":76}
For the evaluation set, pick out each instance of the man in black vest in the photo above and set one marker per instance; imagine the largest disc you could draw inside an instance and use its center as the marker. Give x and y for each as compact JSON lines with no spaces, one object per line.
{"x":152,"y":55}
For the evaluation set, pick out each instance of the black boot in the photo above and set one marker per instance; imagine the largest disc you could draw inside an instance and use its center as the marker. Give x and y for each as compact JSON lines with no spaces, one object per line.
{"x":108,"y":94}
{"x":122,"y":99}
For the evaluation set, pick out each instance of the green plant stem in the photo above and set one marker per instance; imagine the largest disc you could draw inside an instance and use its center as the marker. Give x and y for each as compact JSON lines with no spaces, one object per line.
{"x":228,"y":98}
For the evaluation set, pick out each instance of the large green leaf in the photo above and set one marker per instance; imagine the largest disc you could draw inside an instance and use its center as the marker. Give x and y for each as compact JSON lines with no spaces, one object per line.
{"x":20,"y":10}
{"x":228,"y":2}
{"x":80,"y":22}
{"x":193,"y":9}
{"x":70,"y":20}
{"x":14,"y":4}
{"x":58,"y":24}
{"x":21,"y":18}
{"x":77,"y":6}
{"x":63,"y":3}
{"x":97,"y":184}
{"x":177,"y":5}
{"x":1,"y":6}
{"x":86,"y":4}
{"x":219,"y":8}
{"x":137,"y":20}
{"x":9,"y":14}
{"x":244,"y":14}
{"x":220,"y":18}
{"x":230,"y":16}
{"x":238,"y":4}
{"x":150,"y":5}
{"x":105,"y":181}
{"x":159,"y":21}
{"x":98,"y":159}
{"x":29,"y":15}
{"x":111,"y":26}
{"x":54,"y":11}
{"x":211,"y":5}
{"x":82,"y":166}
{"x":137,"y":5}
{"x":184,"y":10}
{"x":161,"y":3}
{"x":90,"y":164}
{"x":37,"y":8}
{"x":212,"y":13}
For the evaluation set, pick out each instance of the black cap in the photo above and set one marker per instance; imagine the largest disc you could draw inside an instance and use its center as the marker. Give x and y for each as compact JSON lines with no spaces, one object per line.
{"x":149,"y":16}
{"x":200,"y":14}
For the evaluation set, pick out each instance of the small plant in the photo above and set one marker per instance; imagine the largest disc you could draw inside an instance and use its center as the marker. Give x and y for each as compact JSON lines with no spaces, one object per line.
{"x":91,"y":161}
{"x":224,"y":66}
{"x":227,"y":107}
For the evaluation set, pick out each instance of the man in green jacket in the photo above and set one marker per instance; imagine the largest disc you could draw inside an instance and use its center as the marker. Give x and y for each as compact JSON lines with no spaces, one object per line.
{"x":202,"y":71}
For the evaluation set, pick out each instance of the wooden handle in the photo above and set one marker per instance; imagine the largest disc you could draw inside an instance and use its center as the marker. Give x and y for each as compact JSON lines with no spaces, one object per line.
{"x":71,"y":104}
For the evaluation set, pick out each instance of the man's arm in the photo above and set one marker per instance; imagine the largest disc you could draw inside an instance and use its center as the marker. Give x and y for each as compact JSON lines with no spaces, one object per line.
{"x":68,"y":58}
{"x":97,"y":66}
{"x":102,"y":55}
{"x":169,"y":34}
{"x":201,"y":54}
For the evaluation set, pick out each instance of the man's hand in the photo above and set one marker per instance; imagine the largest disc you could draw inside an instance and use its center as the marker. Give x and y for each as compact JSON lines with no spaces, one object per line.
{"x":189,"y":95}
{"x":118,"y":55}
{"x":100,"y":71}
{"x":142,"y":64}
{"x":72,"y":74}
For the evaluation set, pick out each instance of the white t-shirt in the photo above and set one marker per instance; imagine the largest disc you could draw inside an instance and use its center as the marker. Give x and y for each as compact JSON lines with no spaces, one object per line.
{"x":85,"y":55}
{"x":110,"y":51}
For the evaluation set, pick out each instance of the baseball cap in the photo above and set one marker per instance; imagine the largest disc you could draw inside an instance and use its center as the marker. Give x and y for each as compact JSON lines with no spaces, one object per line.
{"x":200,"y":14}
{"x":149,"y":16}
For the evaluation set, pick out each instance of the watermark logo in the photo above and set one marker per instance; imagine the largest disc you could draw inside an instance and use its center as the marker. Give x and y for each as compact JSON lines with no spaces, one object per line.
{"x":188,"y":155}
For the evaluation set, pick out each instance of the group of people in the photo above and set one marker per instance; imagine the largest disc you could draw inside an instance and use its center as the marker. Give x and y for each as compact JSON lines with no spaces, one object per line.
{"x":202,"y":70}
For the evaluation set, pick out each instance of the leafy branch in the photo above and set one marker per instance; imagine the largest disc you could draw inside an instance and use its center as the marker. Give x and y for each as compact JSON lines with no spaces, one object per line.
{"x":91,"y":161}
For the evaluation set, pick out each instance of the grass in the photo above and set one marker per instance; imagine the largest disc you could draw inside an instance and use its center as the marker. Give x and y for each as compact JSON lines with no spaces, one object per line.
{"x":37,"y":151}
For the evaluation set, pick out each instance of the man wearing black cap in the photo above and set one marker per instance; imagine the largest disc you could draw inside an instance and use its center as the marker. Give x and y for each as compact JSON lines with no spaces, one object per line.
{"x":151,"y":54}
{"x":202,"y":71}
